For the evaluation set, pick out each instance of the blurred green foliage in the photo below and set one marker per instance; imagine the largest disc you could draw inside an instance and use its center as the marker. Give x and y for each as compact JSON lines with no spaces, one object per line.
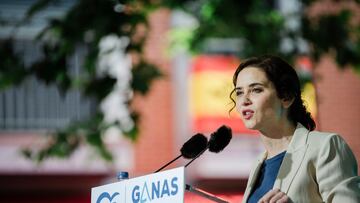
{"x":258,"y":23}
{"x":262,"y":28}
{"x":84,"y":24}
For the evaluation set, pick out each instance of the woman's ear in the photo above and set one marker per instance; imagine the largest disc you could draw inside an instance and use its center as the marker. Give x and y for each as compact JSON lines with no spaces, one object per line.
{"x":286,"y":102}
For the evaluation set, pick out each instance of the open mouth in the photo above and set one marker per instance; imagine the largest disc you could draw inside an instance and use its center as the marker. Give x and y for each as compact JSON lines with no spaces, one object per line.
{"x":247,"y":114}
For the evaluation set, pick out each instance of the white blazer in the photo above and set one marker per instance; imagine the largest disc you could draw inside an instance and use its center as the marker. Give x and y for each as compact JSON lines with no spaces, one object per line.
{"x":317,"y":167}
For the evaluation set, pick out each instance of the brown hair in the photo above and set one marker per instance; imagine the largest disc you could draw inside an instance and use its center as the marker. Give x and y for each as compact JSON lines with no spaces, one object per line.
{"x":286,"y":83}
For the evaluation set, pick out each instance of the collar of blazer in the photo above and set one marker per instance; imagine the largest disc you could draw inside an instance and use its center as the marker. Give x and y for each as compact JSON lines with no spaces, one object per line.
{"x":292,"y":159}
{"x":253,"y":175}
{"x":290,"y":165}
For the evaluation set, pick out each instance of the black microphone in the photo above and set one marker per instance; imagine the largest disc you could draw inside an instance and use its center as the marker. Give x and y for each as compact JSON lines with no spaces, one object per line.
{"x":218,"y":141}
{"x":190,"y":149}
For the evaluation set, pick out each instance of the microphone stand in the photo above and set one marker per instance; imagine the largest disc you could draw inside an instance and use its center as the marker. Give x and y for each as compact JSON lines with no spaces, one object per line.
{"x":168,"y":163}
{"x":197,"y":156}
{"x":199,"y":191}
{"x":204,"y":194}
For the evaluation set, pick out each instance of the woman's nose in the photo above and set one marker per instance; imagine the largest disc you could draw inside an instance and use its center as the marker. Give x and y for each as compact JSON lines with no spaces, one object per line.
{"x":246,"y":100}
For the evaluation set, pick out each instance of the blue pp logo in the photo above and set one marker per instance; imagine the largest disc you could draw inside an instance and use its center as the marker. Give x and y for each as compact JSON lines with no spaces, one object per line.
{"x":106,"y":195}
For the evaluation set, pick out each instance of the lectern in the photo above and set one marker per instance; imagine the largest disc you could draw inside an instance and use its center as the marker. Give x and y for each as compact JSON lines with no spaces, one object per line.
{"x":162,"y":187}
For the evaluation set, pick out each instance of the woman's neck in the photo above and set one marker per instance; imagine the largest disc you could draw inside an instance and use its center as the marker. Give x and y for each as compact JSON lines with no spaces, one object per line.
{"x":277,"y":138}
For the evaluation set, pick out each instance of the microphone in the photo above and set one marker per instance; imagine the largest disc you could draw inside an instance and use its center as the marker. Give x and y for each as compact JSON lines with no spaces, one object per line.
{"x":190,"y":149}
{"x":218,"y":141}
{"x":194,"y":146}
{"x":197,"y":145}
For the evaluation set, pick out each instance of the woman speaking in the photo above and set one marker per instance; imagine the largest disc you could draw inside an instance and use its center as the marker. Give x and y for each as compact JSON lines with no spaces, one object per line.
{"x":299,"y":164}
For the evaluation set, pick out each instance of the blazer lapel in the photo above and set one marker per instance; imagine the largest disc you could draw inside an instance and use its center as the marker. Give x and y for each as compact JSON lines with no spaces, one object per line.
{"x":293,"y":159}
{"x":253,"y":176}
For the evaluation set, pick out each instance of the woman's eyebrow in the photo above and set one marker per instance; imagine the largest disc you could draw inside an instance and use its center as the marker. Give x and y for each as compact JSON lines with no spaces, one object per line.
{"x":251,"y":85}
{"x":255,"y":84}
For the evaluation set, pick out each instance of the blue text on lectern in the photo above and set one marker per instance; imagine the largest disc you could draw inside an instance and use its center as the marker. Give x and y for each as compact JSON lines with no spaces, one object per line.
{"x":155,"y":190}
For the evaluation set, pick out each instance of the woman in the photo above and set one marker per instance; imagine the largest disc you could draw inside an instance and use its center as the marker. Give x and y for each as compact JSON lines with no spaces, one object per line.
{"x":299,"y":164}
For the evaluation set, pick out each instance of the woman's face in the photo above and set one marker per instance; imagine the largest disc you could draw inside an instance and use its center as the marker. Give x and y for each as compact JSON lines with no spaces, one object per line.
{"x":257,"y":100}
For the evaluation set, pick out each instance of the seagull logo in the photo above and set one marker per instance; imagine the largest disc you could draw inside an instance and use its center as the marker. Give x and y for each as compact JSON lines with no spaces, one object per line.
{"x":106,"y":195}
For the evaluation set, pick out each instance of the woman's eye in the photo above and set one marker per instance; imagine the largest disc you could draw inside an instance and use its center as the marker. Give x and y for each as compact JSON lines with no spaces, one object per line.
{"x":257,"y":90}
{"x":239,"y":93}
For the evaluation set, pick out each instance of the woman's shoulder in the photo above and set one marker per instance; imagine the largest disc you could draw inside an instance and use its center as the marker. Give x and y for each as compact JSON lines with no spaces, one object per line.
{"x":323,"y":136}
{"x":319,"y":141}
{"x":328,"y":143}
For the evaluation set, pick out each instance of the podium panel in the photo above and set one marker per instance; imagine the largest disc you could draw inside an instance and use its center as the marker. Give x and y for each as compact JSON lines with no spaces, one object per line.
{"x":114,"y":192}
{"x":162,"y":187}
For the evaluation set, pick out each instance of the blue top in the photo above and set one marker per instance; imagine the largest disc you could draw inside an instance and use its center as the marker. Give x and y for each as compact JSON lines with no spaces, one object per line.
{"x":266,"y":178}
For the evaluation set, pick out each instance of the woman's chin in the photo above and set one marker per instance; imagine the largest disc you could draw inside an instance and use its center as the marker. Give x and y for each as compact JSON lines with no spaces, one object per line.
{"x":250,"y":125}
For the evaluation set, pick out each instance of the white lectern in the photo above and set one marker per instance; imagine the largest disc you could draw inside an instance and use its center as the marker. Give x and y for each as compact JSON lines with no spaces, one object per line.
{"x":162,"y":187}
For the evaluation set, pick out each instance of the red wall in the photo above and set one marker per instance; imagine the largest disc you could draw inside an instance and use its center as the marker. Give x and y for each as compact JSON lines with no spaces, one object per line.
{"x":156,"y":139}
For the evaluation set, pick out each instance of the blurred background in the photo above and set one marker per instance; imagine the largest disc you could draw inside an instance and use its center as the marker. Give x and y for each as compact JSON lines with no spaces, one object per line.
{"x":92,"y":87}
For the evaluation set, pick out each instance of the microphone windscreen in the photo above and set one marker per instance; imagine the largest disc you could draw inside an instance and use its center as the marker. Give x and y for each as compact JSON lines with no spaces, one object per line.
{"x":194,"y":146}
{"x":220,"y":139}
